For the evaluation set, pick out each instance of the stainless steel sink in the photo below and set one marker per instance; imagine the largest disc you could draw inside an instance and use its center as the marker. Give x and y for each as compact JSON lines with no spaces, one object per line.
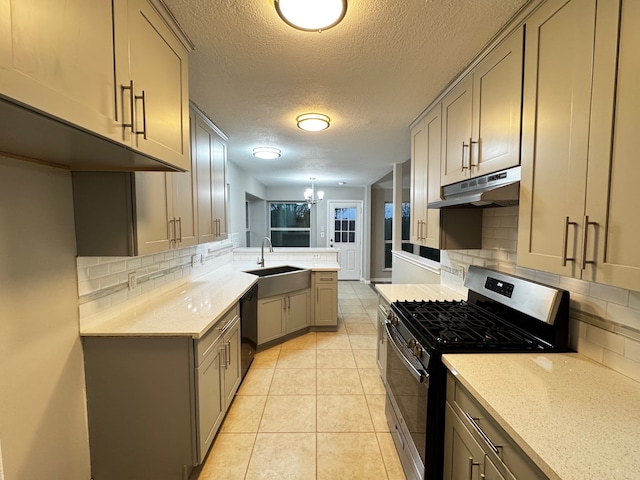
{"x":280,"y":280}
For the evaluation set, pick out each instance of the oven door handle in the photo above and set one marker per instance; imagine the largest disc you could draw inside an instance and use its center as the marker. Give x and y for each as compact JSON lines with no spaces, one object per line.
{"x":420,"y":375}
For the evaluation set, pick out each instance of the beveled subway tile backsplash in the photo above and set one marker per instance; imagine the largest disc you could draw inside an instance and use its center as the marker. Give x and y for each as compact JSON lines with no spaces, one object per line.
{"x":605,"y":320}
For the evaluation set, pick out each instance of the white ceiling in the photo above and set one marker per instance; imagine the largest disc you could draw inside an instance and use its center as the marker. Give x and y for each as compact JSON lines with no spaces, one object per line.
{"x":373,"y":74}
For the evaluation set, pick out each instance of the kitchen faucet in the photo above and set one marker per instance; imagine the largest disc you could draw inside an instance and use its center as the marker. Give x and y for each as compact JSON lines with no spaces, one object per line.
{"x":261,"y":259}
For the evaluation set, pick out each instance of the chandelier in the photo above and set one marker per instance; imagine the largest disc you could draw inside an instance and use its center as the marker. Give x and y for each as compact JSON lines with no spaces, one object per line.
{"x":310,"y":194}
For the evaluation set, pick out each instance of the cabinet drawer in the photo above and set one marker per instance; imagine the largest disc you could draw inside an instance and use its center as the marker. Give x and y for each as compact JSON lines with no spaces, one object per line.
{"x":501,"y":450}
{"x":205,"y":344}
{"x":326,"y":277}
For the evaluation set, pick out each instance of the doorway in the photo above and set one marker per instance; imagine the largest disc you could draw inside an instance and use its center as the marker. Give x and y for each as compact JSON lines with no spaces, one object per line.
{"x":345,"y":233}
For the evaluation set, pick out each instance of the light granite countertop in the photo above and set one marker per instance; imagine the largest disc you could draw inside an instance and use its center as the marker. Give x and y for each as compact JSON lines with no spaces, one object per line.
{"x":576,"y":419}
{"x":392,"y":292}
{"x":193,"y":308}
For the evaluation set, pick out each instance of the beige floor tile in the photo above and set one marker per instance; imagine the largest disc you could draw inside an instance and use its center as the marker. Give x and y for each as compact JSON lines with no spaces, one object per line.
{"x":376,"y":410}
{"x":339,"y":381}
{"x":335,"y":359}
{"x":371,"y":381}
{"x":349,"y":456}
{"x":390,"y":457}
{"x":229,"y":457}
{"x":354,"y":300}
{"x":256,"y":382}
{"x":331,"y":341}
{"x":296,"y":359}
{"x":362,"y":342}
{"x":365,"y":358}
{"x":303,"y":342}
{"x":343,"y":413}
{"x":266,"y":358}
{"x":348,"y":309}
{"x":290,"y":381}
{"x":244,"y":414}
{"x":289,"y":413}
{"x":350,"y":318}
{"x":361,"y":328}
{"x":278,"y":456}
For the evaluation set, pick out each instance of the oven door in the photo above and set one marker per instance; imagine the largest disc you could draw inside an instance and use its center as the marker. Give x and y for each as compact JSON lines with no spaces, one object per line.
{"x":407,"y":393}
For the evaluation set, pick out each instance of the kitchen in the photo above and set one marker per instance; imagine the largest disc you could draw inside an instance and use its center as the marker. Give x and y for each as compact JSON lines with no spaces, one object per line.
{"x":42,"y":362}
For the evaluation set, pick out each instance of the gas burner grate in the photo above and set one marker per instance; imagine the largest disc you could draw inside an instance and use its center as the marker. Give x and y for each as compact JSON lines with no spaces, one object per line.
{"x":463,"y":325}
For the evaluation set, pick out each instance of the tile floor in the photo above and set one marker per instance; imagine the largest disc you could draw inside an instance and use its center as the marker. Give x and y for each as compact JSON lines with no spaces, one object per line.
{"x":312,"y":407}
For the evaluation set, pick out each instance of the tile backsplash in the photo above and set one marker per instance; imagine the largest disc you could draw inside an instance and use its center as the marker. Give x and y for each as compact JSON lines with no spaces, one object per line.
{"x":605,"y":320}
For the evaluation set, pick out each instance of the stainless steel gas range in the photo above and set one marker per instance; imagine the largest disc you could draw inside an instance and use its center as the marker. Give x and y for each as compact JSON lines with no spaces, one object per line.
{"x":502,"y":313}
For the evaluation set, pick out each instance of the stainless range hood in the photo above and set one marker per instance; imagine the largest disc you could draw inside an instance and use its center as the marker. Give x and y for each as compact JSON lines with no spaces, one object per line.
{"x":498,"y":189}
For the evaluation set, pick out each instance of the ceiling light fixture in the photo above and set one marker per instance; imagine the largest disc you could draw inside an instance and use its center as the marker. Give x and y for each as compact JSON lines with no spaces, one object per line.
{"x":311,"y":15}
{"x":266,"y":153}
{"x":313,"y":122}
{"x":310,"y":194}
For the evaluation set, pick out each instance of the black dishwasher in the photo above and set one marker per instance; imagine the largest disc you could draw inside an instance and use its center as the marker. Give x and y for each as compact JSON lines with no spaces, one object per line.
{"x":249,"y":326}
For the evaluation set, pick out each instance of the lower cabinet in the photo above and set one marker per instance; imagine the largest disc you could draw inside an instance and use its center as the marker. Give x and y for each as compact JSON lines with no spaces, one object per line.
{"x":476,"y":447}
{"x":325,"y":291}
{"x":381,"y":348}
{"x":283,"y":314}
{"x":154,"y":404}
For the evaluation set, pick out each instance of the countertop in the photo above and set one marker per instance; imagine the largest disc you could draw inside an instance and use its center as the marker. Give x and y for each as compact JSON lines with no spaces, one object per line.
{"x":575,"y":418}
{"x":392,"y":292}
{"x":193,"y":308}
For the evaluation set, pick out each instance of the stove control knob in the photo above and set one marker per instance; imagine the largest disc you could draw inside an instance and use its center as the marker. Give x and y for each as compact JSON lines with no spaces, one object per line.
{"x":412,"y":343}
{"x":417,"y":350}
{"x":394,"y":320}
{"x":390,"y":315}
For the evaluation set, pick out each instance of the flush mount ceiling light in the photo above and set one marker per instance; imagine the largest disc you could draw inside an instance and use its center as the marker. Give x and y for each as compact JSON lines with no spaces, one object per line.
{"x":266,"y":153}
{"x":311,"y":15}
{"x":313,"y":122}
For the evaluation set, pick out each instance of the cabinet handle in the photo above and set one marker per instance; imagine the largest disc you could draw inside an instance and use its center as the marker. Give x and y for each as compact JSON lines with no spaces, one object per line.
{"x":223,"y":349}
{"x":464,"y":145}
{"x":132,"y":107}
{"x":565,"y":241}
{"x":172,"y":231}
{"x":179,"y":222}
{"x":585,"y":235}
{"x":474,"y":422}
{"x":471,"y":465}
{"x":227,"y":348}
{"x":471,"y":144}
{"x":143,"y":132}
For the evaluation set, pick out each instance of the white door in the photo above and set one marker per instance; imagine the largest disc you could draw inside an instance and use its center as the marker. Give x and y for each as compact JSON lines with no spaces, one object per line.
{"x":345,"y":233}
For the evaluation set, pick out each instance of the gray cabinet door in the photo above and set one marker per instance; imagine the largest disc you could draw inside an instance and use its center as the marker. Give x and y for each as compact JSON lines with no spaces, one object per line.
{"x":210,"y":398}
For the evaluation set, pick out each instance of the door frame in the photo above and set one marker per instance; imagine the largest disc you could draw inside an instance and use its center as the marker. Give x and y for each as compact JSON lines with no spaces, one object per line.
{"x":359,"y":204}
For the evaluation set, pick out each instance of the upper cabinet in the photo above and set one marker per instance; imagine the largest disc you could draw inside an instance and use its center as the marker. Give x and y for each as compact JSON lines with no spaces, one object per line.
{"x":152,"y":95}
{"x":481,"y":116}
{"x":209,"y":146}
{"x":62,"y":100}
{"x":579,"y":175}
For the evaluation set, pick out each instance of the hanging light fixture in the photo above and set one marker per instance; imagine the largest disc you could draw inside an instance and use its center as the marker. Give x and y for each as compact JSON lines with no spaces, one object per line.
{"x":267,"y":153}
{"x":313,"y":122}
{"x":310,"y":194}
{"x":311,"y":15}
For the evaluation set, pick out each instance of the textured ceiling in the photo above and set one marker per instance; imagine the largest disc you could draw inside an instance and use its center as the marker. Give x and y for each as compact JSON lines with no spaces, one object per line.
{"x":373,"y":74}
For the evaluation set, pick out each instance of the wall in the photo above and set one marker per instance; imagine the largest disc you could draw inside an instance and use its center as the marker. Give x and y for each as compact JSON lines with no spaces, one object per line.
{"x":605,"y":320}
{"x":43,"y":426}
{"x":240,"y":183}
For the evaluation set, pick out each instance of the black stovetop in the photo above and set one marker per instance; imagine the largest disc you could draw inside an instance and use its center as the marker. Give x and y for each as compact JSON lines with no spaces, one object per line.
{"x":463,"y":326}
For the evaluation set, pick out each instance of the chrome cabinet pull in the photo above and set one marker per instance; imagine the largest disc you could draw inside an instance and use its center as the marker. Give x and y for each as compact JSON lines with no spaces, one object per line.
{"x":172,"y":231}
{"x":471,"y":144}
{"x":565,"y":241}
{"x":179,"y":222}
{"x":585,"y":235}
{"x":142,"y":132}
{"x":223,"y":350}
{"x":464,"y":145}
{"x":132,"y":107}
{"x":476,"y":425}
{"x":472,"y":464}
{"x":227,"y":348}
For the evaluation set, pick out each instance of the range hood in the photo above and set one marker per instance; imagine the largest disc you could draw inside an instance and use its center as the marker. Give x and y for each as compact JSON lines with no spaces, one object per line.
{"x":497,"y":189}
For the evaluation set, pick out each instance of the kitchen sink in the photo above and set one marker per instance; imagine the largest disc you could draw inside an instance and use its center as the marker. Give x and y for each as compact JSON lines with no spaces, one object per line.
{"x":281,"y":280}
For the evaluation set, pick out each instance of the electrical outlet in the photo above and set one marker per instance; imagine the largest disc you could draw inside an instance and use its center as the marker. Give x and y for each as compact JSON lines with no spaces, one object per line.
{"x":194,"y":261}
{"x":133,"y":280}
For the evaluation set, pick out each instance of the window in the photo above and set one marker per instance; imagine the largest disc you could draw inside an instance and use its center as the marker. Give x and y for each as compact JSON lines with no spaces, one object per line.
{"x":290,"y":224}
{"x":388,"y":222}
